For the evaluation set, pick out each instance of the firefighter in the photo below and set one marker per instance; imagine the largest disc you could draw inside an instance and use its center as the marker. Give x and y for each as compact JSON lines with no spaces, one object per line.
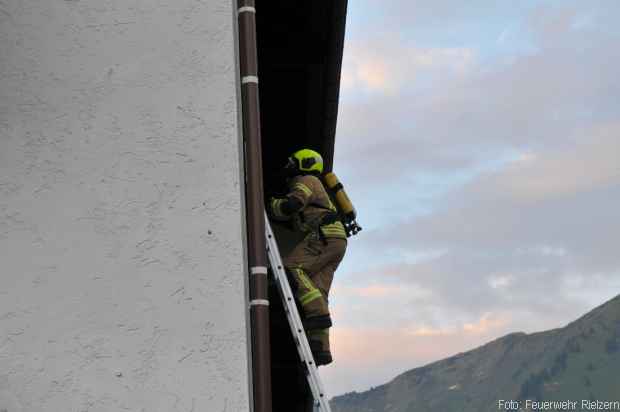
{"x":312,"y":262}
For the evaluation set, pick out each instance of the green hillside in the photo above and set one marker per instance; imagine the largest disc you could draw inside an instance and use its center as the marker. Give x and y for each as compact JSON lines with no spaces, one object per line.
{"x":578,"y":362}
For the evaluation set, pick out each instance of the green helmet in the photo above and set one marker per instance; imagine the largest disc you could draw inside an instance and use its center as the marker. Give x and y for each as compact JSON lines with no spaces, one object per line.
{"x":307,"y":161}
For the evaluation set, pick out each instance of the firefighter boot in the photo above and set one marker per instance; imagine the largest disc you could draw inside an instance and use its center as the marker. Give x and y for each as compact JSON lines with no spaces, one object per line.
{"x":319,"y":345}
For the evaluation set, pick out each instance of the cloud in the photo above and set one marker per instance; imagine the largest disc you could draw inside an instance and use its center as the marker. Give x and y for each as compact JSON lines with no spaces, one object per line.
{"x":426,"y":331}
{"x":377,"y":291}
{"x":504,"y":35}
{"x":371,"y":300}
{"x":537,"y":246}
{"x":489,"y":191}
{"x":501,"y":281}
{"x":554,"y":200}
{"x":485,"y":324}
{"x":528,"y":247}
{"x":541,"y":101}
{"x":387,"y":351}
{"x":370,"y":17}
{"x":387,"y":66}
{"x":592,"y":162}
{"x":374,"y":75}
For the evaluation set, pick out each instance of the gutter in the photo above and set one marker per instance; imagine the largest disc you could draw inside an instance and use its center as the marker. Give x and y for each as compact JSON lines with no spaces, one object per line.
{"x":255,"y":209}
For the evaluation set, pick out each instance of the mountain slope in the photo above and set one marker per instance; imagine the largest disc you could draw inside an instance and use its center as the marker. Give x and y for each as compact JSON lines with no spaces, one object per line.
{"x":578,"y":361}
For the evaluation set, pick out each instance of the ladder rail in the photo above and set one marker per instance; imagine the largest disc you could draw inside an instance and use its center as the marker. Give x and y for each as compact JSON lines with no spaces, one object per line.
{"x":288,"y":299}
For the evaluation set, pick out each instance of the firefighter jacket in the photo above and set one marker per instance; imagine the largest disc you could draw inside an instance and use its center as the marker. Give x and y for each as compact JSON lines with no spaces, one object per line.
{"x":309,"y":207}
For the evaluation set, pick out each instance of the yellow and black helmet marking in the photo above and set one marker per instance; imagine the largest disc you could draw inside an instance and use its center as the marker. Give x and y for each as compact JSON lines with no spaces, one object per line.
{"x":308,"y":161}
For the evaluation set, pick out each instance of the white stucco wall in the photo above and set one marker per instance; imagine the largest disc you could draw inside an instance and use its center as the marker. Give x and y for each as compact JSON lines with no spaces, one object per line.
{"x":121,"y":237}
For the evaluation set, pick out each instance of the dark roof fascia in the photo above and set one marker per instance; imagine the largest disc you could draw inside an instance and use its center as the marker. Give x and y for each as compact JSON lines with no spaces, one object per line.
{"x":333,"y":70}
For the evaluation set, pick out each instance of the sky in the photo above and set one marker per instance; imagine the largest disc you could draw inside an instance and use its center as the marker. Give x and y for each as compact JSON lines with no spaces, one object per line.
{"x":481,"y":148}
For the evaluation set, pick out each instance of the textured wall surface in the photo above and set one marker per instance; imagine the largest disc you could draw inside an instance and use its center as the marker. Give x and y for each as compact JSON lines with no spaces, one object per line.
{"x":121,"y":236}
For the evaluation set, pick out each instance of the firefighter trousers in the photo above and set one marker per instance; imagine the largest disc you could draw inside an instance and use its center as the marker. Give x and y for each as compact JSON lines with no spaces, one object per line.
{"x":312,"y":264}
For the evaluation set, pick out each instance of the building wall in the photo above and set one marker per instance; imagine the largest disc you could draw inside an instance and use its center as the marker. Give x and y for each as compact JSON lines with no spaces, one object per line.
{"x":121,"y":219}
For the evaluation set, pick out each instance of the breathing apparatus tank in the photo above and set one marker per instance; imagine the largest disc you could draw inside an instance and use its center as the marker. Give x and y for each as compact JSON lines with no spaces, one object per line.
{"x":346,"y":210}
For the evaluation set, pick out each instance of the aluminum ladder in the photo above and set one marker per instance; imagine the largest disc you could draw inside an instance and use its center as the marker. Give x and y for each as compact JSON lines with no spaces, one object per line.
{"x":303,"y":348}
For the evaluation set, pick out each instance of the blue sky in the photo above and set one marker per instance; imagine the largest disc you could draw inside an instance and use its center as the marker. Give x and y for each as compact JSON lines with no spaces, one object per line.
{"x":481,"y":147}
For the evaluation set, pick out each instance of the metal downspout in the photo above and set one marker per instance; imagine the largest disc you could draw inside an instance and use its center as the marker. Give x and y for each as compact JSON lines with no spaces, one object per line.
{"x":257,"y":252}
